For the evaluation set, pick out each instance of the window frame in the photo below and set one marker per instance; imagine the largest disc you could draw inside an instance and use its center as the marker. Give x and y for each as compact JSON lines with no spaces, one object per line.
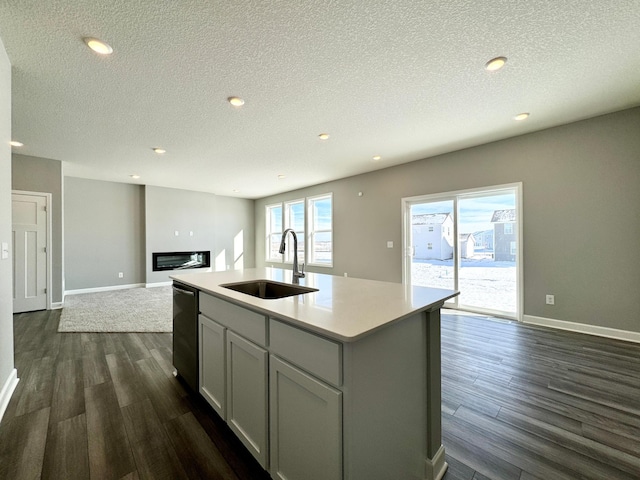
{"x":508,"y":228}
{"x":305,"y":239}
{"x":311,"y":231}
{"x":269,"y":232}
{"x":301,"y":235}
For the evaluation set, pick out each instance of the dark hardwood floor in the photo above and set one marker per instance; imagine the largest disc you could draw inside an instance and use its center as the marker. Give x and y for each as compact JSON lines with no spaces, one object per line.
{"x":106,"y":406}
{"x":523,"y":402}
{"x":519,"y":402}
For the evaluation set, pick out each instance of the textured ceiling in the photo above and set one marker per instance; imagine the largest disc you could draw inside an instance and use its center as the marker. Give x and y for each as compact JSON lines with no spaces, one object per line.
{"x":403,"y":79}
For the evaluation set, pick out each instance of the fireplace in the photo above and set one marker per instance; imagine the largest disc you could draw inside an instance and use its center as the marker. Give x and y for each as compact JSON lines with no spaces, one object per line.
{"x":180,"y":260}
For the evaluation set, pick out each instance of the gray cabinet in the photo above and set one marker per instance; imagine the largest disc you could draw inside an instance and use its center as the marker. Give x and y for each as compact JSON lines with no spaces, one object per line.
{"x":301,"y":432}
{"x":233,"y":370}
{"x":247,"y":395}
{"x":306,"y":425}
{"x":309,"y":407}
{"x":213,"y":361}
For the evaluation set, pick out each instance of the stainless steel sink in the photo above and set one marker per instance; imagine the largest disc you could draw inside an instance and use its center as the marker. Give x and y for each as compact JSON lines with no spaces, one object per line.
{"x":268,"y":289}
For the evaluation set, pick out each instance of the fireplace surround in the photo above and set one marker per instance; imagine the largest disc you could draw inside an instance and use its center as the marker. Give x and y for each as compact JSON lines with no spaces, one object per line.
{"x":181,"y":260}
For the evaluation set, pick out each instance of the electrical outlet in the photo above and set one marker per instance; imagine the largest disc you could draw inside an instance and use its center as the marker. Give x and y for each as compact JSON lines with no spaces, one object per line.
{"x":120,"y":275}
{"x":551,"y":299}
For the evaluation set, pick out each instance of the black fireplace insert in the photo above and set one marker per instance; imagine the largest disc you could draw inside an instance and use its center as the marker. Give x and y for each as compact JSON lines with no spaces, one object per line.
{"x":181,"y":260}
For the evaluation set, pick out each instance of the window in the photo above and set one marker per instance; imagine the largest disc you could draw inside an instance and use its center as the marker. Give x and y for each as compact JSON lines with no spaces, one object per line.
{"x":512,"y":248}
{"x":320,"y":226}
{"x":273,"y":220}
{"x":312,"y":221}
{"x":294,"y":218}
{"x":508,"y":228}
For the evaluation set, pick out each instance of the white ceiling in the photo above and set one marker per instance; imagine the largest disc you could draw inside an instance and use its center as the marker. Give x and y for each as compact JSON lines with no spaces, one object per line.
{"x":403,"y":79}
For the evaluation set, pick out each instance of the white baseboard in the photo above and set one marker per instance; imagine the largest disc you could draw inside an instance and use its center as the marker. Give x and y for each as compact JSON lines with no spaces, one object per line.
{"x":103,"y":289}
{"x":7,"y":390}
{"x":57,"y":305}
{"x":583,"y":328}
{"x":436,"y":467}
{"x":159,"y":284}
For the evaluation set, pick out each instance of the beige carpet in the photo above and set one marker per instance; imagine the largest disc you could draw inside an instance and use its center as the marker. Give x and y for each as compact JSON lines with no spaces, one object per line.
{"x":130,"y":310}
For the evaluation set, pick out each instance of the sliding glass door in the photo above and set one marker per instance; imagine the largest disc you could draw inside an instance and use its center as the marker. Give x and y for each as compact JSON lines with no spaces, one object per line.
{"x":467,"y":241}
{"x":432,"y":260}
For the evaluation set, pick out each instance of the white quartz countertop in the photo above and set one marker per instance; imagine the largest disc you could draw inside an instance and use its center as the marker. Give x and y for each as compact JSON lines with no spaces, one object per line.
{"x":344,"y":309}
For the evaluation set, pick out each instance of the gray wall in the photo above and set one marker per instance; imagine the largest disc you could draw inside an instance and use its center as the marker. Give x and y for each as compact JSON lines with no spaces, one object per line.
{"x":6,"y":288}
{"x":36,"y":174}
{"x":215,"y":222}
{"x":104,"y":233}
{"x":581,"y":189}
{"x":115,"y":227}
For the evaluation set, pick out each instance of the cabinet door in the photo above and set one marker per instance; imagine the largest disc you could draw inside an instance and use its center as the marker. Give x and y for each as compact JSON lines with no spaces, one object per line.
{"x":306,"y":425}
{"x":212,"y":363}
{"x":247,"y":395}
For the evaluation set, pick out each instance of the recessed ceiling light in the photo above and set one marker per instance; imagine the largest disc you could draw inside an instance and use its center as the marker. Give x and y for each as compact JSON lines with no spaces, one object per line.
{"x":98,"y":46}
{"x":159,"y":150}
{"x":495,"y":64}
{"x":323,"y":136}
{"x":377,"y":157}
{"x":521,"y":116}
{"x":134,"y":176}
{"x":236,"y":101}
{"x":15,"y":143}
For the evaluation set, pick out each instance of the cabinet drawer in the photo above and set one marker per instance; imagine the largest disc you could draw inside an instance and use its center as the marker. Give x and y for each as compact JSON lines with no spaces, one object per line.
{"x":247,"y":323}
{"x":311,"y":352}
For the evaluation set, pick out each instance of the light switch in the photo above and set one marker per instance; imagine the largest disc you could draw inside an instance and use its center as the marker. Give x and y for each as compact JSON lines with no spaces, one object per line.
{"x":389,"y":244}
{"x":176,"y":233}
{"x":5,"y":250}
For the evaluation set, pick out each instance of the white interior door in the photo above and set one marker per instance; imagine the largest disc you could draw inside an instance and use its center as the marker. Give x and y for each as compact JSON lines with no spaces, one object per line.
{"x":29,"y":238}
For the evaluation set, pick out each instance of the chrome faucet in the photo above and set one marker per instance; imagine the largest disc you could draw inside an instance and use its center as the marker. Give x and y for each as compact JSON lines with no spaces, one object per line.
{"x":296,"y":273}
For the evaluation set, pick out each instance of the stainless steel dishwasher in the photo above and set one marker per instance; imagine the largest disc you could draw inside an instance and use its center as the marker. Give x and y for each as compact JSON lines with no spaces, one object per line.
{"x":185,"y":333}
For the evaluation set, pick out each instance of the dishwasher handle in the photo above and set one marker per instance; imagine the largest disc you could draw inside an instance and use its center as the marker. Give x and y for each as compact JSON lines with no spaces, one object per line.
{"x":186,"y":292}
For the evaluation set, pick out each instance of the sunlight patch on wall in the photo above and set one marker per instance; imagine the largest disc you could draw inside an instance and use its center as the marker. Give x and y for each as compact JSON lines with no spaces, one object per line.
{"x":220,"y":265}
{"x":238,"y":251}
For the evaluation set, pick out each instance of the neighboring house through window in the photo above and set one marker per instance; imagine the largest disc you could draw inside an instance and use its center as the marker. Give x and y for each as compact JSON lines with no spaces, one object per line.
{"x":505,"y":240}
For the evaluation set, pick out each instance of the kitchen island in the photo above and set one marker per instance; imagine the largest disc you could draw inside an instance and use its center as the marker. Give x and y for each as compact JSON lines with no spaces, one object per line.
{"x":339,"y":383}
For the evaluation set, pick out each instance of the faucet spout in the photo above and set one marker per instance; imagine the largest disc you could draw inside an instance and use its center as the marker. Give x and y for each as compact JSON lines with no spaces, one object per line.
{"x":296,"y":273}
